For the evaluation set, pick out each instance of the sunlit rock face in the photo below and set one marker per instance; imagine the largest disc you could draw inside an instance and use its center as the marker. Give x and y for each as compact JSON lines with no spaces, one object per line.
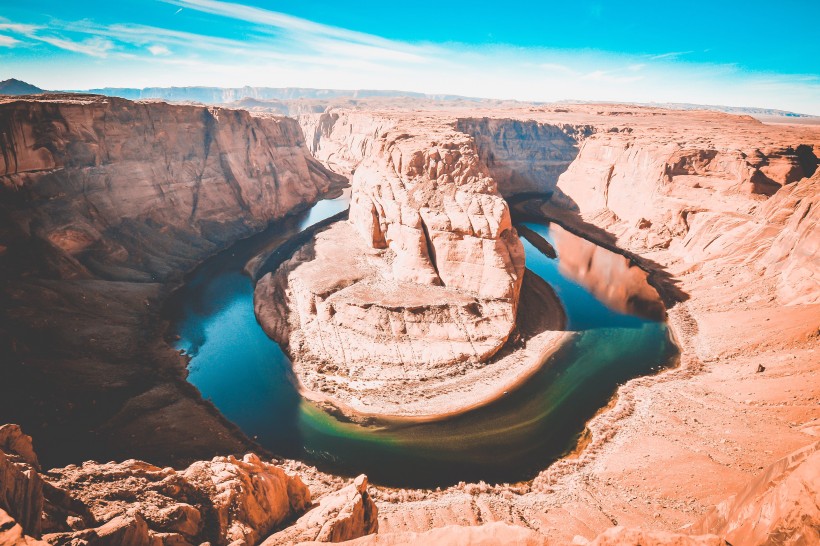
{"x":423,"y":279}
{"x":525,"y":156}
{"x":103,"y":201}
{"x":134,"y":191}
{"x":433,"y":204}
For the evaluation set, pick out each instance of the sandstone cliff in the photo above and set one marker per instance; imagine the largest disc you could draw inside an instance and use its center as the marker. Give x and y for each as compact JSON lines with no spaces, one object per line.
{"x":140,"y":191}
{"x":525,"y":156}
{"x":104,"y":203}
{"x":421,"y":285}
{"x":341,"y":139}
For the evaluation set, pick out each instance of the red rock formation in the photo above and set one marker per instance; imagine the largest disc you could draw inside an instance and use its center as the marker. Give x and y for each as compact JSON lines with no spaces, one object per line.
{"x":340,"y":516}
{"x":21,"y":488}
{"x":491,"y":534}
{"x":135,"y":190}
{"x":12,"y":534}
{"x":423,"y":280}
{"x":102,"y":202}
{"x":223,"y":500}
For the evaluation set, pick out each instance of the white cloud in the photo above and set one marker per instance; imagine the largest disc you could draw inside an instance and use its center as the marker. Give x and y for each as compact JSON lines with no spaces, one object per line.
{"x":671,"y":55}
{"x":8,"y":41}
{"x":159,"y":49}
{"x":17,"y":27}
{"x":308,"y":31}
{"x":94,"y":47}
{"x":555,"y":67}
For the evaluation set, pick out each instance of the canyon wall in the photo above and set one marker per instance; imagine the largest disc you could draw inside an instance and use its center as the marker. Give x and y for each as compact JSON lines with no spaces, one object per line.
{"x":341,"y":139}
{"x":139,"y":191}
{"x":713,"y":186}
{"x":105,"y":202}
{"x":525,"y":156}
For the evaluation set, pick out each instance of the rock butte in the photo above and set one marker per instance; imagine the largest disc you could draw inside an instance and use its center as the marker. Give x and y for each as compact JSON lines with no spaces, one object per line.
{"x":397,"y":311}
{"x":107,"y":202}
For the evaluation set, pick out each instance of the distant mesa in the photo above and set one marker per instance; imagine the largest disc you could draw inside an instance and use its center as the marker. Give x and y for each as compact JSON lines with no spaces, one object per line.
{"x":17,"y":87}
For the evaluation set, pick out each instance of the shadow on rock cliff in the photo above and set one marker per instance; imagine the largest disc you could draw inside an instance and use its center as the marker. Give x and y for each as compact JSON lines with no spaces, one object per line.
{"x":540,"y":207}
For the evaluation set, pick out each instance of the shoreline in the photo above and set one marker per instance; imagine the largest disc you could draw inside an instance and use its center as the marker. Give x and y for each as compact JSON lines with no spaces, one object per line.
{"x":340,"y":409}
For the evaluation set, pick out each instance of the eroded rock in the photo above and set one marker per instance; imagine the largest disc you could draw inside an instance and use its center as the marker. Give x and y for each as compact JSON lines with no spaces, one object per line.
{"x":781,"y":506}
{"x":21,"y":488}
{"x":223,"y":500}
{"x":422,"y":283}
{"x":343,"y":515}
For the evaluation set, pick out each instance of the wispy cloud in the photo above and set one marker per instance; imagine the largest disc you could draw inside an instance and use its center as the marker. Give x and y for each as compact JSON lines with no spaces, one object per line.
{"x":610,"y":76}
{"x":18,"y":28}
{"x":8,"y":41}
{"x":94,"y":47}
{"x":326,"y":37}
{"x":670,"y":55}
{"x":159,"y":49}
{"x":556,"y":67}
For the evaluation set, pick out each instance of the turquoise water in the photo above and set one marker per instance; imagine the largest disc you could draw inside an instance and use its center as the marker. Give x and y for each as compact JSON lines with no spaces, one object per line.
{"x":248,"y":377}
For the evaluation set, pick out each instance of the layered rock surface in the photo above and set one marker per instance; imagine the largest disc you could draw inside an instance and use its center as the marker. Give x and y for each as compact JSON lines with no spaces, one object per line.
{"x":421,"y":285}
{"x":671,"y":445}
{"x":222,"y":501}
{"x":525,"y":156}
{"x":690,"y":203}
{"x":105,"y":202}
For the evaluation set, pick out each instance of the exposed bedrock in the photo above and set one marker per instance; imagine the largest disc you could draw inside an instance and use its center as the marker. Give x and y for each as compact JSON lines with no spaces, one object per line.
{"x":427,"y":272}
{"x":712,"y":186}
{"x":103,"y":204}
{"x":421,"y":284}
{"x":525,"y":156}
{"x":141,"y":191}
{"x":341,"y":139}
{"x":432,"y":203}
{"x":222,"y":501}
{"x":245,"y":501}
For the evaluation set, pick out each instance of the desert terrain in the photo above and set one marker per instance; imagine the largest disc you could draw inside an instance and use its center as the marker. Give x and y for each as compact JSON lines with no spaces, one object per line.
{"x":107,"y":204}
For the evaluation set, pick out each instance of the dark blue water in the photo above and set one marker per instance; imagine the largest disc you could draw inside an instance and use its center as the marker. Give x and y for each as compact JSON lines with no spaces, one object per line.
{"x":248,"y":377}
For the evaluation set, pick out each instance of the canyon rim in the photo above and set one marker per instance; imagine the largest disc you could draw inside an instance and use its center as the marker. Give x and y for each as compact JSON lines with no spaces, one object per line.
{"x":289,"y":313}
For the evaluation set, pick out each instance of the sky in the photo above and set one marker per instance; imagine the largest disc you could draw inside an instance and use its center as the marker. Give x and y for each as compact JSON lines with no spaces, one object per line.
{"x":762,"y":54}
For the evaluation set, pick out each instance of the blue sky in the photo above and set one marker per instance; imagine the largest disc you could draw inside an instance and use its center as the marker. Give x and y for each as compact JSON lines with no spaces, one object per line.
{"x":716,"y":52}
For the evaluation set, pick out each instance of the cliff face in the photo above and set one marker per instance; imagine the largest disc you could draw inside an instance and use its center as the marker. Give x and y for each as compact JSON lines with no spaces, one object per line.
{"x":431,"y":201}
{"x":710,"y":187}
{"x":102,"y":201}
{"x":138,"y":191}
{"x":525,"y":156}
{"x":341,"y":139}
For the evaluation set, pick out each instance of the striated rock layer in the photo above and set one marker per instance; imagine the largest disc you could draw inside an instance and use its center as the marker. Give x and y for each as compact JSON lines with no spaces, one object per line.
{"x":421,"y":284}
{"x":104,"y":204}
{"x":720,"y":209}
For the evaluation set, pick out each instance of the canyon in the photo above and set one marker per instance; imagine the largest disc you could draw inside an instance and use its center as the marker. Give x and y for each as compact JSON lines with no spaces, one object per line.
{"x":107,"y":203}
